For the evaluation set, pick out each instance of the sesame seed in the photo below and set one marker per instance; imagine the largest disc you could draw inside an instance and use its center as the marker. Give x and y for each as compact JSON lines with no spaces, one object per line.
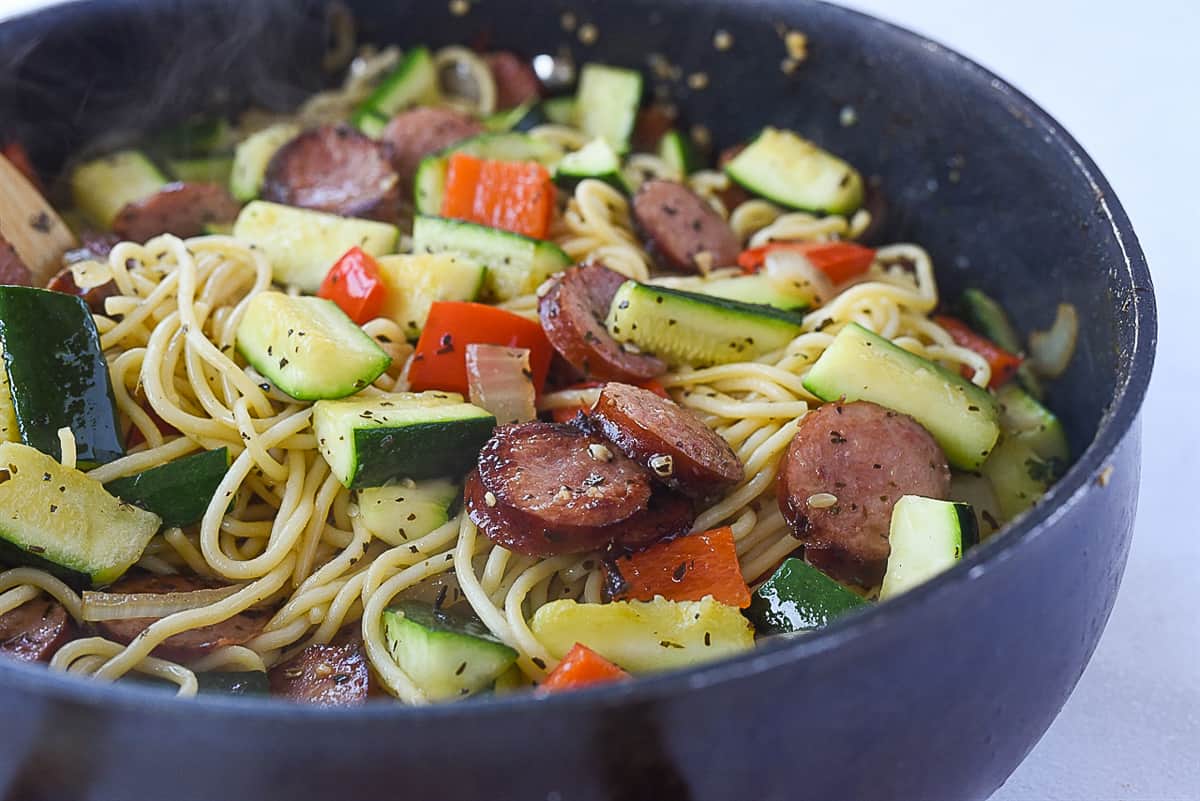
{"x":822,"y":500}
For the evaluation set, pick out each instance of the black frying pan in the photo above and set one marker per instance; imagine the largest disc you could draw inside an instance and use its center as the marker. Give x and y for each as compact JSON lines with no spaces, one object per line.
{"x":939,"y":694}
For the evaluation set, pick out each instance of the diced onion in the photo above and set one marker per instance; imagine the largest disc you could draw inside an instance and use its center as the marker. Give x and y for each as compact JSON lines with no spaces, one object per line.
{"x":793,"y":270}
{"x":1050,"y":351}
{"x":466,"y":80}
{"x":126,"y":605}
{"x":501,"y":382}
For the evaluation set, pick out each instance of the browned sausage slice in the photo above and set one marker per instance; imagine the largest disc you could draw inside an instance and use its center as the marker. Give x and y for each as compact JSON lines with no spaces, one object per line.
{"x":867,"y":457}
{"x":412,"y":135}
{"x":667,"y":514}
{"x":336,"y":674}
{"x":34,"y":630}
{"x":237,"y":630}
{"x":334,"y":169}
{"x":562,"y":476}
{"x":682,"y":231}
{"x":516,"y":82}
{"x":571,"y":312}
{"x":672,"y":442}
{"x":180,"y":209}
{"x":13,"y":270}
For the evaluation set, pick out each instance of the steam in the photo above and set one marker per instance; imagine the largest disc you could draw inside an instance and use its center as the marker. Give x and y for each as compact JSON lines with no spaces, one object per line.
{"x":86,"y":77}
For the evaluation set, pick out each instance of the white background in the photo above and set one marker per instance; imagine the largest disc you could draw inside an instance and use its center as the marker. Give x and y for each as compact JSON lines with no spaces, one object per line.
{"x":1123,"y":78}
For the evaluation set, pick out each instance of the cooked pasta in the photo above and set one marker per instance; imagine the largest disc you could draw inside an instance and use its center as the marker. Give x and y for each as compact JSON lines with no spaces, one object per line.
{"x":285,"y":532}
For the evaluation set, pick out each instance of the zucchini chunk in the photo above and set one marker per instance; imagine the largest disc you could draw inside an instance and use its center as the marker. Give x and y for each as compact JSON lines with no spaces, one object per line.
{"x":676,"y":149}
{"x":396,"y":513}
{"x":308,"y":347}
{"x":645,"y":636}
{"x":9,"y":432}
{"x":302,"y":244}
{"x":861,"y":365}
{"x":762,"y":290}
{"x":57,"y":374}
{"x":414,"y":82}
{"x":179,"y":492}
{"x":516,"y":265}
{"x":792,"y":171}
{"x":927,"y":537}
{"x":416,"y":281}
{"x":1024,"y":419}
{"x":253,"y":154}
{"x":103,"y":187}
{"x":560,"y":110}
{"x":202,"y":169}
{"x":447,"y":656}
{"x":798,"y":597}
{"x":371,"y":441}
{"x":689,"y":328}
{"x":370,"y":122}
{"x":1019,"y":476}
{"x":607,"y":103}
{"x":429,"y":185}
{"x":60,"y":520}
{"x":596,"y":160}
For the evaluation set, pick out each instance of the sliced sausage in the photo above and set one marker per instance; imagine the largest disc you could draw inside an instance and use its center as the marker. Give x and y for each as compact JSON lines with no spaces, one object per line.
{"x":94,"y":297}
{"x":571,"y":313}
{"x":682,"y":231}
{"x":413,"y":135}
{"x":334,"y":169}
{"x":667,"y":514}
{"x":562,"y":476}
{"x":672,"y":442}
{"x":181,"y":209}
{"x":336,"y":674}
{"x":35,"y":630}
{"x":187,"y":645}
{"x":13,"y":270}
{"x":516,"y":82}
{"x":867,"y":457}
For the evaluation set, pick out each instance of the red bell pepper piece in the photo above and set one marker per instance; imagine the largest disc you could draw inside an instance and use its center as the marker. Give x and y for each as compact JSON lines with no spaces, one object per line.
{"x":440,"y":361}
{"x":355,"y":285}
{"x":841,"y":261}
{"x":581,"y":667}
{"x":1004,"y":364}
{"x":683,"y":569}
{"x":515,"y":196}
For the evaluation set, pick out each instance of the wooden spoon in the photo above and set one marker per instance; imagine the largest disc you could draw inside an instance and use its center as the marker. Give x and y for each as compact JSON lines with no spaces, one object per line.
{"x":31,"y":225}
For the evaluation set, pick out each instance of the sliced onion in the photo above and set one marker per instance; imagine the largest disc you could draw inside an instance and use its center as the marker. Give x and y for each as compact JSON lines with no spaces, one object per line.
{"x":466,"y":80}
{"x":89,"y":273}
{"x":501,"y":382}
{"x":796,"y":274}
{"x":1050,"y":351}
{"x":127,"y":605}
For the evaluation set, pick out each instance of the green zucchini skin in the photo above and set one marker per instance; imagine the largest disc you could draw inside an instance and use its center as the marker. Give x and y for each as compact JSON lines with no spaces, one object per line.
{"x":432,"y":450}
{"x":58,"y":374}
{"x":798,"y":597}
{"x":180,"y":491}
{"x":12,"y":555}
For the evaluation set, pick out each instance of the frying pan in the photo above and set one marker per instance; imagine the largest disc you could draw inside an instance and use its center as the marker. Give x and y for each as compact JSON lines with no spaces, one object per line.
{"x":938,"y":694}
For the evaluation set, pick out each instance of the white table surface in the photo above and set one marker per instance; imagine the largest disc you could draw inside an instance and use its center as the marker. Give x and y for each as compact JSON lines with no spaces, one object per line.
{"x":1123,"y":78}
